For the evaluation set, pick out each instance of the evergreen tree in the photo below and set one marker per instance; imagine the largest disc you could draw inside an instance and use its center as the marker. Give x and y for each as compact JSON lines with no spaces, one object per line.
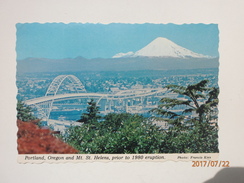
{"x":194,"y":129}
{"x":91,"y":116}
{"x":24,"y":112}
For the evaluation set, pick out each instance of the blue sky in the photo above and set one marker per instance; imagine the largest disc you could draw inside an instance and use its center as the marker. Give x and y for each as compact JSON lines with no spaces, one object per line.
{"x":58,"y":40}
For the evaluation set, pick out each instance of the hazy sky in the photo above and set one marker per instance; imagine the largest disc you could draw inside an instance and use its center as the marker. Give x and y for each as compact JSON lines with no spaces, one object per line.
{"x":58,"y":40}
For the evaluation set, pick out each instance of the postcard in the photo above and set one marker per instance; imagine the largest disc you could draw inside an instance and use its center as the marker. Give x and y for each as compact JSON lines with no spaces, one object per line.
{"x":117,"y":92}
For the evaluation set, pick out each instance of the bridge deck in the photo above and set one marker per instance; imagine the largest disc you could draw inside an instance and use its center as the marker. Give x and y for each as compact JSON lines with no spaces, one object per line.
{"x":119,"y":95}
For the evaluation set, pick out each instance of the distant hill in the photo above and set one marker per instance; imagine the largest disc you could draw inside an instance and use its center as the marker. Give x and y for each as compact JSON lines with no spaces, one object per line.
{"x":113,"y":64}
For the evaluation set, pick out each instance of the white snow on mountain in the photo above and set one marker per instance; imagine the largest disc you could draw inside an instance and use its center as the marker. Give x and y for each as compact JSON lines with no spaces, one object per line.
{"x":119,"y":55}
{"x":162,"y":47}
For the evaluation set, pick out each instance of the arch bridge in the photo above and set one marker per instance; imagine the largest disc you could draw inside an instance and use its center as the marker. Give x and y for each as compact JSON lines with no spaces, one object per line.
{"x":107,"y":101}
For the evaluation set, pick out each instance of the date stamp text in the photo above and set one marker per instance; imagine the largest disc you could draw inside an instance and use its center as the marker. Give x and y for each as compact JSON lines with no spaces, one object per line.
{"x":210,"y":163}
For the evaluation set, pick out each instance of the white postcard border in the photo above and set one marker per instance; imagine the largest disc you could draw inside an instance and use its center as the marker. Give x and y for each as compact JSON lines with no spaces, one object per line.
{"x":80,"y":158}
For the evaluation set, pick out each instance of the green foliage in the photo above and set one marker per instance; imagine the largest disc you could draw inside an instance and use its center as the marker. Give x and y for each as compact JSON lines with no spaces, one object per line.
{"x":194,"y":130}
{"x":91,"y":115}
{"x":24,"y":113}
{"x":118,"y":134}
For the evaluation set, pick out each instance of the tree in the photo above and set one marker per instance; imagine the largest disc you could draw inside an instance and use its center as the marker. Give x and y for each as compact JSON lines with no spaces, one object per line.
{"x":24,"y":112}
{"x":194,"y":128}
{"x":197,"y":98}
{"x":117,"y":134}
{"x":92,"y":113}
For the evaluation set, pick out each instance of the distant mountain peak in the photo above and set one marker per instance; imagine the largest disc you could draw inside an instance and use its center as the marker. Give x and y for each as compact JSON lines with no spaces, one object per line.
{"x":162,"y":47}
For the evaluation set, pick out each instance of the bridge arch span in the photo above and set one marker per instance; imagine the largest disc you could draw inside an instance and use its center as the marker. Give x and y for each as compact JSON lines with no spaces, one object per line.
{"x":56,"y":83}
{"x":45,"y":107}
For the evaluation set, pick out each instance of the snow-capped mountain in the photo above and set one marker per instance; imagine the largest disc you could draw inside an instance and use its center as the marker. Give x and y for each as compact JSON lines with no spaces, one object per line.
{"x":162,"y":47}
